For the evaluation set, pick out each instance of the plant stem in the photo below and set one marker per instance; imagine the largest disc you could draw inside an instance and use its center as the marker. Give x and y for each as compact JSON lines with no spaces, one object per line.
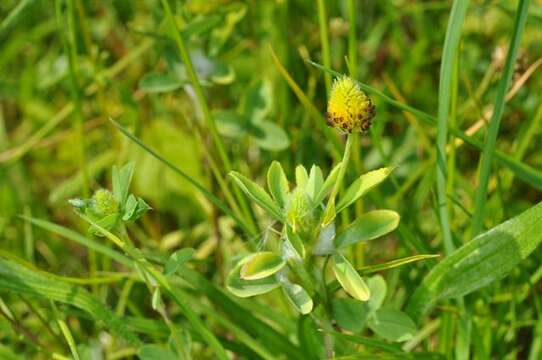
{"x":352,"y":40}
{"x":358,"y":249}
{"x":329,"y":213}
{"x":326,"y":323}
{"x":324,"y":40}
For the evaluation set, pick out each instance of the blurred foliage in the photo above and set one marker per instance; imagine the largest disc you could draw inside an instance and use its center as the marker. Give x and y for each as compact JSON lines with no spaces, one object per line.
{"x":128,"y":69}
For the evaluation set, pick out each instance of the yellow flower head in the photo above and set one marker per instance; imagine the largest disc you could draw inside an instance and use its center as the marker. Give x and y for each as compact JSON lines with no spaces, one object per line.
{"x":349,"y":109}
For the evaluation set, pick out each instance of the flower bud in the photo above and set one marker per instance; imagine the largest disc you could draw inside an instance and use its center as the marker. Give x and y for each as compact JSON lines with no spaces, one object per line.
{"x":103,"y":203}
{"x":349,"y":109}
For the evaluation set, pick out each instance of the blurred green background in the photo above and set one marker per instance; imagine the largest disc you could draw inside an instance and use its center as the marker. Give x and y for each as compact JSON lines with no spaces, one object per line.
{"x":126,"y":67}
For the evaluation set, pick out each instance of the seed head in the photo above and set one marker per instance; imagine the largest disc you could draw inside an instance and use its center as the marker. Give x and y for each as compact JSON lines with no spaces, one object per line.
{"x":349,"y":109}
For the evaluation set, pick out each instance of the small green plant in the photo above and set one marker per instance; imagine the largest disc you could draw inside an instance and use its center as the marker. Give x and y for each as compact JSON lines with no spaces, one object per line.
{"x":297,"y":261}
{"x":108,"y":208}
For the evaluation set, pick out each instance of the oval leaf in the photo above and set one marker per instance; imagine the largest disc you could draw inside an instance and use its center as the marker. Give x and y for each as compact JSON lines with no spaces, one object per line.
{"x":269,"y":136}
{"x":277,"y":183}
{"x":378,"y":288}
{"x":362,"y":185}
{"x":488,"y":257}
{"x":315,"y":182}
{"x":158,"y":83}
{"x":246,"y":288}
{"x":298,"y":297}
{"x":349,"y":279}
{"x":350,"y":314}
{"x":258,"y":194}
{"x":231,"y":124}
{"x":301,"y":177}
{"x":368,"y":226}
{"x":261,"y":265}
{"x":393,"y":325}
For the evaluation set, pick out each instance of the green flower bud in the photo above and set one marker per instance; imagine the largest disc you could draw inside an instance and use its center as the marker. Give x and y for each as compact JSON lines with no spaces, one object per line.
{"x":103,"y":203}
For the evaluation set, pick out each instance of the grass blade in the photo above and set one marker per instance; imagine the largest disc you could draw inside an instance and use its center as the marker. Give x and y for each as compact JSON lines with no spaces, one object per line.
{"x":451,"y":46}
{"x":324,"y":41}
{"x":488,"y":257}
{"x":16,"y":14}
{"x":394,"y":263}
{"x":22,"y":280}
{"x":495,"y":121}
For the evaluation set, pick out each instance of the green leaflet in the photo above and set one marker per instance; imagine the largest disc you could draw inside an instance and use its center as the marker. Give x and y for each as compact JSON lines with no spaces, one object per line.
{"x":301,"y":177}
{"x":261,"y":265}
{"x":121,"y":181}
{"x":362,"y":185}
{"x":277,"y":183}
{"x":349,"y":279}
{"x":392,"y":325}
{"x":257,"y":194}
{"x":298,"y":297}
{"x":246,"y":288}
{"x":488,"y":257}
{"x":368,"y":226}
{"x":315,"y":182}
{"x":22,"y":280}
{"x":352,"y":314}
{"x":155,"y":82}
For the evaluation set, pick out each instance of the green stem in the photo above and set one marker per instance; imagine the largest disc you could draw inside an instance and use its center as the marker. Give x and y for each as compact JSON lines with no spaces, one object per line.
{"x":495,"y":121}
{"x":451,"y":45}
{"x":326,"y":323}
{"x":358,"y":249}
{"x":352,"y":40}
{"x":324,"y":40}
{"x":329,"y":213}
